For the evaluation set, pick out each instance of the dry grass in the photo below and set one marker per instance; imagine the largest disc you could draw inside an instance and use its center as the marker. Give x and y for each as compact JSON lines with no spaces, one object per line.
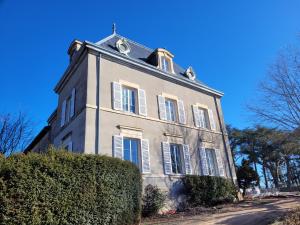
{"x":292,"y":218}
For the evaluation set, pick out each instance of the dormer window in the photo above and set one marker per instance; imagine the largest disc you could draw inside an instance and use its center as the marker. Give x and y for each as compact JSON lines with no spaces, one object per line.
{"x":165,"y":64}
{"x":123,"y":46}
{"x":163,"y":59}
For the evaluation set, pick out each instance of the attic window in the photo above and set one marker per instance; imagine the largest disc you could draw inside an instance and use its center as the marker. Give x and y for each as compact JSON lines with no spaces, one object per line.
{"x":123,"y":46}
{"x":165,"y":64}
{"x":190,"y":73}
{"x":164,"y":60}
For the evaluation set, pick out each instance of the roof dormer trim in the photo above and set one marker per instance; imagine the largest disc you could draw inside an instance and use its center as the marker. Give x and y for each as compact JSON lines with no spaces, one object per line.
{"x":164,"y":60}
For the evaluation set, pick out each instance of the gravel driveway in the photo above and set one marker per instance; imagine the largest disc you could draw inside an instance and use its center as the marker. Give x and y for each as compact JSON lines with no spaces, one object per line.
{"x":258,"y":213}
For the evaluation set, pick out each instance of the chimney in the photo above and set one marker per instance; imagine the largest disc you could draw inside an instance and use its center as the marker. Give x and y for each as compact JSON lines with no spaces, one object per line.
{"x":74,"y":48}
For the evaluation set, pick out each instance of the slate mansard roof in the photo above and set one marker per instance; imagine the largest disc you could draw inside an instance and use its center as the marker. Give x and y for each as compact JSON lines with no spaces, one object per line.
{"x":140,"y":54}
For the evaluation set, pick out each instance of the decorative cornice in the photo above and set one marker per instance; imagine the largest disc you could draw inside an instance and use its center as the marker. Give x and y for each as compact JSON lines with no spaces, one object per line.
{"x":130,"y":128}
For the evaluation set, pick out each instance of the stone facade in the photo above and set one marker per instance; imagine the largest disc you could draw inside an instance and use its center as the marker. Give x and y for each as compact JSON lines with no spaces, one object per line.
{"x":95,"y":123}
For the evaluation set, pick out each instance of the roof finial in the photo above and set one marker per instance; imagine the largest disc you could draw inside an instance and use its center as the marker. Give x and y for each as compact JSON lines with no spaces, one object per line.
{"x":114,"y":28}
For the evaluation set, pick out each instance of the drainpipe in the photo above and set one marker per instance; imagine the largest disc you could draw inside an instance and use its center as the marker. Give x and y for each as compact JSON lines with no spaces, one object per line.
{"x":97,"y":144}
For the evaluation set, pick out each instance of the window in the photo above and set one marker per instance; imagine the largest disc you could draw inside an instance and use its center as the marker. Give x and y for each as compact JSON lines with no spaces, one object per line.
{"x":68,"y":108}
{"x":176,"y":159}
{"x":131,"y":150}
{"x":211,"y":162}
{"x":170,"y":109}
{"x":129,"y":99}
{"x":204,"y":123}
{"x":66,"y":143}
{"x":165,"y":64}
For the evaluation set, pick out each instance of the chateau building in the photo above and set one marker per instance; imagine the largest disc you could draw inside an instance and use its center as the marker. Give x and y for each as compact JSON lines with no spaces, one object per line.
{"x":122,"y":99}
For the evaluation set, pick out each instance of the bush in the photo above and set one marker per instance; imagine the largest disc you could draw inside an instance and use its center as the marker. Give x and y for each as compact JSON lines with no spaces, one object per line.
{"x":64,"y":188}
{"x":208,"y":190}
{"x":153,"y":200}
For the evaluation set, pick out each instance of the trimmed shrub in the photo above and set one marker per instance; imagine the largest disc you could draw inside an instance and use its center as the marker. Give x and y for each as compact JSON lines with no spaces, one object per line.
{"x":208,"y":190}
{"x":64,"y":188}
{"x":152,"y":201}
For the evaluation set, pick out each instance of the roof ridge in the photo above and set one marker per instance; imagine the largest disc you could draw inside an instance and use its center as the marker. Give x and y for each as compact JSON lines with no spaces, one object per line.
{"x":105,"y":39}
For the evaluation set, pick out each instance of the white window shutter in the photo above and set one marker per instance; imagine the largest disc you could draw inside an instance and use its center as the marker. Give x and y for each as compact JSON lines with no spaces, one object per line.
{"x":181,"y":112}
{"x":63,"y":113}
{"x":167,"y":157}
{"x":162,"y":107}
{"x":118,"y":146}
{"x":220,"y":163}
{"x":211,"y":120}
{"x":72,"y":108}
{"x":196,"y":113}
{"x":142,"y":102}
{"x":203,"y":160}
{"x":187,"y":159}
{"x":117,"y":96}
{"x":145,"y":156}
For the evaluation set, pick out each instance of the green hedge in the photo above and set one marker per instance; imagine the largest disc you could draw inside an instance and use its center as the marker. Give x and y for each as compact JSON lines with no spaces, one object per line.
{"x":64,"y":188}
{"x":208,"y":190}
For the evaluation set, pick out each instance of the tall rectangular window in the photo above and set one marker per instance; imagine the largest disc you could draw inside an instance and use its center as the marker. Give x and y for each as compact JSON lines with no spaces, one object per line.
{"x":204,"y":123}
{"x":131,"y":150}
{"x":129,"y":99}
{"x":68,"y":109}
{"x":165,"y":64}
{"x":212,"y":162}
{"x":176,"y":158}
{"x":170,"y":109}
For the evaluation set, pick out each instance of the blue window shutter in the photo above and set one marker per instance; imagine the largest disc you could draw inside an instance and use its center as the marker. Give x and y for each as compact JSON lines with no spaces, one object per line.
{"x":196,"y":114}
{"x":118,"y":146}
{"x":142,"y":102}
{"x":145,"y":156}
{"x":167,"y":157}
{"x":187,"y":159}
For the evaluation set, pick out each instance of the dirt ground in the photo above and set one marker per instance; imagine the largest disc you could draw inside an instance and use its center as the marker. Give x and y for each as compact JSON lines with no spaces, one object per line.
{"x":247,"y":213}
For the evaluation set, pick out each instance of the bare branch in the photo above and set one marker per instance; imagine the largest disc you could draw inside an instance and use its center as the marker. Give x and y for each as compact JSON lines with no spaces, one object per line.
{"x":15,"y":133}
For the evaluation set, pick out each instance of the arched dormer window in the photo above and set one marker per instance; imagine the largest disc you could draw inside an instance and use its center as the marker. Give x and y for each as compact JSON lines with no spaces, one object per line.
{"x":164,"y":60}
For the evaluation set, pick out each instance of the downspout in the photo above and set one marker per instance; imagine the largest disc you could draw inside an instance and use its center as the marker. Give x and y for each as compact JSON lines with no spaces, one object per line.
{"x":97,"y":150}
{"x":223,"y":137}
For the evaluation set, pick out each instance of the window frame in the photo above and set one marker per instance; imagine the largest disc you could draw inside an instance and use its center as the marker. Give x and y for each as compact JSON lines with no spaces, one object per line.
{"x":165,"y":64}
{"x":206,"y":117}
{"x":179,"y":150}
{"x":139,"y":155}
{"x":169,"y":112}
{"x":212,"y":163}
{"x":133,"y":90}
{"x":66,"y":141}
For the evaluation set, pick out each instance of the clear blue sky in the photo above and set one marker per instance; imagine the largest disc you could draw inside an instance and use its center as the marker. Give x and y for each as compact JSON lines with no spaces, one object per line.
{"x":229,"y":43}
